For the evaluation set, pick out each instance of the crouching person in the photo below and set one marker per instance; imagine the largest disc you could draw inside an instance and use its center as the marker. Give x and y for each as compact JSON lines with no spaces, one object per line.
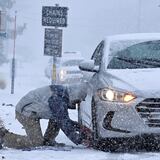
{"x":29,"y":110}
{"x":59,"y":103}
{"x":49,"y":102}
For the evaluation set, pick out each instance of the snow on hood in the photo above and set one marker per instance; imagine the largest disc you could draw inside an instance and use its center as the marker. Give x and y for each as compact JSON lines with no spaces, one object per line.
{"x":133,"y":36}
{"x":135,"y":79}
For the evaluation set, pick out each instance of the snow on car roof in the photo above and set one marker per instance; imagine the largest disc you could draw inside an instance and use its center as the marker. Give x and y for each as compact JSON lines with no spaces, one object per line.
{"x":133,"y":36}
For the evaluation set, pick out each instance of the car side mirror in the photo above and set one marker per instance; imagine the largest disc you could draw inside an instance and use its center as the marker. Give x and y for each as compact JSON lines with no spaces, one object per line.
{"x":88,"y":66}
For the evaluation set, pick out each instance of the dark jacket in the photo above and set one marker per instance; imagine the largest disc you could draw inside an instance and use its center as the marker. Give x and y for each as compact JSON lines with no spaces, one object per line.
{"x":59,"y":104}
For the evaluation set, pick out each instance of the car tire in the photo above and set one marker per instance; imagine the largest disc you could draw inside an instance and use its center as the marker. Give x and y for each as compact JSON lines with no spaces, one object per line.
{"x":108,"y":144}
{"x":96,"y":143}
{"x":94,"y":120}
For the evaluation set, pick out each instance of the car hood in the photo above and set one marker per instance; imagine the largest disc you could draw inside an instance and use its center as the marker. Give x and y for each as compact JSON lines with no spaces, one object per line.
{"x":143,"y":80}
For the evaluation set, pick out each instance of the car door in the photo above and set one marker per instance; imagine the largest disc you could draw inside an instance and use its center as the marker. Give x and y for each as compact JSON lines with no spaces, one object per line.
{"x":85,"y":110}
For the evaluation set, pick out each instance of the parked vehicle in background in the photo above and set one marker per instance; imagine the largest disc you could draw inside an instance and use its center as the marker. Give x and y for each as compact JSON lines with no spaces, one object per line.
{"x":122,"y":106}
{"x":68,"y":71}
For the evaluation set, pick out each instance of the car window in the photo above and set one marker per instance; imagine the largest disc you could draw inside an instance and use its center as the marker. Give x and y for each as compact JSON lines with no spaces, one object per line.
{"x":97,"y":55}
{"x":141,"y":55}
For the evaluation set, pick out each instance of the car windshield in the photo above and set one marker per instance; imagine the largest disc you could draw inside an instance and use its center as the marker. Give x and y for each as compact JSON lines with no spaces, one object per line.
{"x":134,"y":54}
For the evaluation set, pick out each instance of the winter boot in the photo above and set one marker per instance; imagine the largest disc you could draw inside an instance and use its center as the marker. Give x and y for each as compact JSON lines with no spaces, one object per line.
{"x":3,"y":131}
{"x":53,"y":143}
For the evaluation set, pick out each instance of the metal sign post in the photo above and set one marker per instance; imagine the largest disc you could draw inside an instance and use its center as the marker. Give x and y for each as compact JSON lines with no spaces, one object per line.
{"x":55,"y":16}
{"x":13,"y":59}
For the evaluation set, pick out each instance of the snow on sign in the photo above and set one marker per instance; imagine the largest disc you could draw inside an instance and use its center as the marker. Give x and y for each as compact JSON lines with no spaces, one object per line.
{"x":54,"y":16}
{"x":53,"y":42}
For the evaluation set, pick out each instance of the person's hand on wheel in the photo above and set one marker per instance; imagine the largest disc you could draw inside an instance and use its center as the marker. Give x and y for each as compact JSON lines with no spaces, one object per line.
{"x":86,"y":136}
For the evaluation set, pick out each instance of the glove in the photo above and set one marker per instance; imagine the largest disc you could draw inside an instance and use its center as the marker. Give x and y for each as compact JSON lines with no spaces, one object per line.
{"x":86,"y":135}
{"x":87,"y":143}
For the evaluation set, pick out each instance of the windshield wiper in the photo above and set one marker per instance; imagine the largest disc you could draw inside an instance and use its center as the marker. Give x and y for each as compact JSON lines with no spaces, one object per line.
{"x":146,"y":62}
{"x":152,"y":60}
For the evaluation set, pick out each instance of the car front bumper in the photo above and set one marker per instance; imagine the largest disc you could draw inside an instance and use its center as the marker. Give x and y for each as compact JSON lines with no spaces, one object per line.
{"x":127,"y":120}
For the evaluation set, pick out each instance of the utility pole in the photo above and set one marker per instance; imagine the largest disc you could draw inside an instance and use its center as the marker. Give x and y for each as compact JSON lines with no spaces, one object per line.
{"x":13,"y":59}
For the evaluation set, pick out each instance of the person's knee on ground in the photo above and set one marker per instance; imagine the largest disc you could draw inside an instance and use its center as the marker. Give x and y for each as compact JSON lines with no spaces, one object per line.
{"x":33,"y":138}
{"x":32,"y":128}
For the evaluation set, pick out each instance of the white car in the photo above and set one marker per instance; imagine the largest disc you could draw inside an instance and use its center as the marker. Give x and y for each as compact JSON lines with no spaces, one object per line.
{"x":67,"y":68}
{"x":123,"y":98}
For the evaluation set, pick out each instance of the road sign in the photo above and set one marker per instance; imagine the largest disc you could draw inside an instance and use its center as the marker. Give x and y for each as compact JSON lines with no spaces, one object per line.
{"x":54,"y":16}
{"x":3,"y":21}
{"x":3,"y":34}
{"x":53,"y":42}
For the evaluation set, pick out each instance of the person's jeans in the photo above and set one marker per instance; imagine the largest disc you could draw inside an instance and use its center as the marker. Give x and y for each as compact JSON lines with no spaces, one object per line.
{"x":34,"y":135}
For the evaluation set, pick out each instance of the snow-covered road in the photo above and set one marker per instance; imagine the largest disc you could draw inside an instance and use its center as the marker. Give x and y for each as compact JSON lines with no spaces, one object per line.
{"x":78,"y":153}
{"x":31,"y":75}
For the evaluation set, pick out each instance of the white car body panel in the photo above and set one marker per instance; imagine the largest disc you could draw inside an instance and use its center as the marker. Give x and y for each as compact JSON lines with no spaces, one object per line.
{"x":140,"y":79}
{"x":144,"y":83}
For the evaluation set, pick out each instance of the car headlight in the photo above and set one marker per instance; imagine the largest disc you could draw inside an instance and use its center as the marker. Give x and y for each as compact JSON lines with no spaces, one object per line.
{"x":114,"y":95}
{"x":62,"y":74}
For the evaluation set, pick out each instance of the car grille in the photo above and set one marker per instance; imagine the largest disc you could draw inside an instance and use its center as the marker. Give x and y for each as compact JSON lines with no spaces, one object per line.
{"x":149,"y":111}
